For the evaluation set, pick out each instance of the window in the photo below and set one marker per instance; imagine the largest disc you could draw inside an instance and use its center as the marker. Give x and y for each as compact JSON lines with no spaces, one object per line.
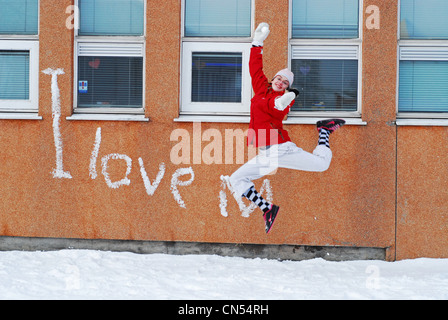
{"x":423,"y":86}
{"x":15,"y":75}
{"x":214,"y":18}
{"x":424,"y":19}
{"x":423,"y":55}
{"x":325,"y":50}
{"x":325,"y":19}
{"x":207,"y":66}
{"x":215,"y":57}
{"x":106,"y":18}
{"x":19,"y":52}
{"x":108,"y":79}
{"x":110,"y":57}
{"x":326,"y":82}
{"x":19,"y":17}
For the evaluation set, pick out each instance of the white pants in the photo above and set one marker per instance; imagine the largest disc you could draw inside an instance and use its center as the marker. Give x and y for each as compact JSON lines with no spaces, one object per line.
{"x":286,"y":155}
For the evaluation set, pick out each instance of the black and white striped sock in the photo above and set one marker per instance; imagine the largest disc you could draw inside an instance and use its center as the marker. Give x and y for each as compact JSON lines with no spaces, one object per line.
{"x":324,"y":137}
{"x":256,"y":198}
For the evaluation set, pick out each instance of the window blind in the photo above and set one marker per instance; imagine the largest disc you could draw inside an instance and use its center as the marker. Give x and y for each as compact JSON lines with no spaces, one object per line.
{"x":14,"y":75}
{"x":423,"y":86}
{"x":325,"y":19}
{"x":19,"y":17}
{"x":216,"y":77}
{"x":326,"y":84}
{"x":217,"y":18}
{"x":110,"y":82}
{"x":424,"y":19}
{"x":111,"y":17}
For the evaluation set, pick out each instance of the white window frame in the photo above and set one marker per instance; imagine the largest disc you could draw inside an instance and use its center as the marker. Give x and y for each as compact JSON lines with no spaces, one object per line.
{"x":189,"y":107}
{"x":316,"y":48}
{"x":419,"y":50}
{"x":24,"y":109}
{"x":32,"y":104}
{"x":110,"y":46}
{"x":208,"y":111}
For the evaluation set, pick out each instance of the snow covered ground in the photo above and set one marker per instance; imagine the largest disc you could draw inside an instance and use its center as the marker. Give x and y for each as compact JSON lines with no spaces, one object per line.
{"x":87,"y":274}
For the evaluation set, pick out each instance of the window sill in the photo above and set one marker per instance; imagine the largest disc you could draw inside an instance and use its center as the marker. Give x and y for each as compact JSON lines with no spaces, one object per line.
{"x":422,"y":122}
{"x":214,"y":118}
{"x":108,"y":117}
{"x":313,"y":120}
{"x":19,"y":116}
{"x":246,"y":119}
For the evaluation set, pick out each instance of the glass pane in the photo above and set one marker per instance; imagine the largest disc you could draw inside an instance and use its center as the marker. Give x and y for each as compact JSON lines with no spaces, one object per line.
{"x":19,"y":16}
{"x":423,"y":86}
{"x":325,"y":19}
{"x":216,"y":77}
{"x":111,"y":17}
{"x":110,"y":82}
{"x":424,"y":19}
{"x":217,"y":18}
{"x":14,"y":75}
{"x":326,"y":85}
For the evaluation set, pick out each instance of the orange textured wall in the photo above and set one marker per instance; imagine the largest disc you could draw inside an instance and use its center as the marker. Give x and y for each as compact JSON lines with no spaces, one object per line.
{"x":422,"y":215}
{"x":352,"y":204}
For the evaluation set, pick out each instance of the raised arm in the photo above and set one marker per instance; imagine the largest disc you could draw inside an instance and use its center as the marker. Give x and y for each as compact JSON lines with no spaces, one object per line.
{"x":259,"y":81}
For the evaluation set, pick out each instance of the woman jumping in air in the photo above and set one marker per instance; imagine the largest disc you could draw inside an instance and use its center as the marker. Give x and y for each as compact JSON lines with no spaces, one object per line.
{"x":269,"y":106}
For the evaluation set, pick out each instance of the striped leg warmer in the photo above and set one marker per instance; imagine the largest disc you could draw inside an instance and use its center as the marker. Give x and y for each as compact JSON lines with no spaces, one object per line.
{"x":324,"y":137}
{"x":256,"y":198}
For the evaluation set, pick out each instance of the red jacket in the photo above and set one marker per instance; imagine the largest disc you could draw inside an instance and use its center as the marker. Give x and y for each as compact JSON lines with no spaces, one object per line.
{"x":266,"y":122}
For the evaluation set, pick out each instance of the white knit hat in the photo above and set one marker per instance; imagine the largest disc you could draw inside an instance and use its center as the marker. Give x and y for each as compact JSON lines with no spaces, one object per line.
{"x":287,"y":74}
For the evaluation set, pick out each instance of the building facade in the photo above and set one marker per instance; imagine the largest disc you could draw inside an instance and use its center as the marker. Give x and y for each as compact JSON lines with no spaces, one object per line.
{"x":119,"y":118}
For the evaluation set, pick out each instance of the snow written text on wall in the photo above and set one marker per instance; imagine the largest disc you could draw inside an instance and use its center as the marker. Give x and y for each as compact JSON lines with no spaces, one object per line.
{"x":176,"y":180}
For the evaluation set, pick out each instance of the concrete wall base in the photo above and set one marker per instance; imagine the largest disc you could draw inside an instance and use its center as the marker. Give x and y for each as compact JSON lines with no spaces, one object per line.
{"x":277,"y":252}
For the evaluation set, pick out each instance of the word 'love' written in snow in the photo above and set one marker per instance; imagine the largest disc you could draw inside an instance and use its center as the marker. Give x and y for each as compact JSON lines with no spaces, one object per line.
{"x":60,"y":173}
